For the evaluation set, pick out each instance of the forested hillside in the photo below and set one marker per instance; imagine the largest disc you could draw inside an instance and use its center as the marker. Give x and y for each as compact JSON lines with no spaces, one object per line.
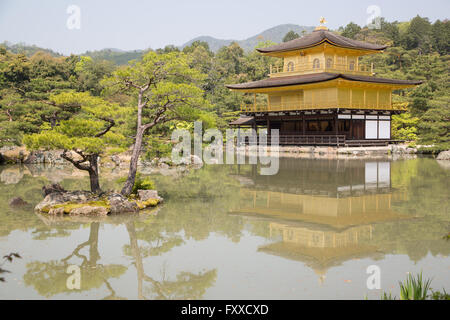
{"x":418,"y":50}
{"x":274,"y":34}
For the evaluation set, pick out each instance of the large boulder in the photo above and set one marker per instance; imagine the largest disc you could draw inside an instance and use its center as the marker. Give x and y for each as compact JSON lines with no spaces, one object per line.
{"x":444,"y":155}
{"x":14,"y":154}
{"x":120,"y":204}
{"x":90,"y":211}
{"x":58,"y":198}
{"x":145,"y":195}
{"x":52,"y":188}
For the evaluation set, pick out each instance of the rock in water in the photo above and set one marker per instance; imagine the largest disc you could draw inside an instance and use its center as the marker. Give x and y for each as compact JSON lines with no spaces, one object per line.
{"x":444,"y":155}
{"x":56,"y":198}
{"x":120,"y":204}
{"x":58,"y":201}
{"x":52,"y":188}
{"x":145,"y":195}
{"x":18,"y":202}
{"x":89,"y":211}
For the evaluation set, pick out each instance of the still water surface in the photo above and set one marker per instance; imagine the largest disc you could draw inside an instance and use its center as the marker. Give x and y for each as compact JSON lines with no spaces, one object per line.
{"x":226,"y":232}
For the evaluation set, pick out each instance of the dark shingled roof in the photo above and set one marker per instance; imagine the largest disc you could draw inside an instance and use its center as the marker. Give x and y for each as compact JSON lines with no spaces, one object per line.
{"x":313,"y":78}
{"x":316,"y":37}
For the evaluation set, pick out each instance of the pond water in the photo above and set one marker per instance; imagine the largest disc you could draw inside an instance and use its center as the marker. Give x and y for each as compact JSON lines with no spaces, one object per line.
{"x":226,"y":232}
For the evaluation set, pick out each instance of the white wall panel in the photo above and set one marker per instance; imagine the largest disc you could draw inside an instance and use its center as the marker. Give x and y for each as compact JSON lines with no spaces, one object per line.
{"x":371,"y":129}
{"x":384,"y":131}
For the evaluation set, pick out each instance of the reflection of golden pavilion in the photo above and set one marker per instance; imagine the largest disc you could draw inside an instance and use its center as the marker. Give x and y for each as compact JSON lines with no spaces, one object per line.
{"x":331,"y":211}
{"x":331,"y":224}
{"x":320,"y":248}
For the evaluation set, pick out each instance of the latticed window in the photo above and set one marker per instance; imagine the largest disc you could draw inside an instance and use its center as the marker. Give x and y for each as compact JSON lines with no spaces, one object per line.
{"x":329,"y":63}
{"x":351,"y":65}
{"x":316,"y":64}
{"x":290,"y":66}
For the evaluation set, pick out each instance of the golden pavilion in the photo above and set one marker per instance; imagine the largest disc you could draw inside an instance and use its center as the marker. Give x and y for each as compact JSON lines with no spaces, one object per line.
{"x":322,"y":94}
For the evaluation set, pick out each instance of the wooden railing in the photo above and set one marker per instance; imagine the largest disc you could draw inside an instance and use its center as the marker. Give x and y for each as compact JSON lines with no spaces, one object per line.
{"x":247,"y":108}
{"x":293,"y":139}
{"x":338,"y":140}
{"x":316,"y":140}
{"x":303,"y":68}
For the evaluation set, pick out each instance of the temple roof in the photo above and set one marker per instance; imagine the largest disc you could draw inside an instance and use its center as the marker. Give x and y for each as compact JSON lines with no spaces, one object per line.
{"x":242,"y":121}
{"x":314,"y":78}
{"x":319,"y":36}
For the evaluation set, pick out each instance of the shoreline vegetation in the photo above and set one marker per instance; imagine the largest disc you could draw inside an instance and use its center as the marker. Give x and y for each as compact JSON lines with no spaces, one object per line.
{"x":417,"y":288}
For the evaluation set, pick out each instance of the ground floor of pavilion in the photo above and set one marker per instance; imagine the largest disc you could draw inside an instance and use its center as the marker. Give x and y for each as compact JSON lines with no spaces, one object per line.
{"x":323,"y":127}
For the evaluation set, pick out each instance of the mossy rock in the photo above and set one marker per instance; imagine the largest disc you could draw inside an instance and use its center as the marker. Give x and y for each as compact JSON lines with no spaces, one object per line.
{"x":147,"y":203}
{"x":76,"y":203}
{"x":67,"y":207}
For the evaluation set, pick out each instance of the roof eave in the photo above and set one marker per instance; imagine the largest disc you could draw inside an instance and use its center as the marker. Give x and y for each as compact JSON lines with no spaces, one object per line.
{"x":268,"y":52}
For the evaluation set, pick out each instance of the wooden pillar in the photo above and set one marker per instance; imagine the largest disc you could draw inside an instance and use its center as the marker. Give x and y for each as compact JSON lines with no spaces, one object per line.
{"x":351,"y":127}
{"x":303,"y":124}
{"x":336,"y":129}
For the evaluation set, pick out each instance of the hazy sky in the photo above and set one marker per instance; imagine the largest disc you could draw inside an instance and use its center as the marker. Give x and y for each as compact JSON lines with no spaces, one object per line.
{"x":139,"y":24}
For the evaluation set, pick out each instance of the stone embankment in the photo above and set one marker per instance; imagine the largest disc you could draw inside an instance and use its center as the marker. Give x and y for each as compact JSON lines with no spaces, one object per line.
{"x":341,"y":152}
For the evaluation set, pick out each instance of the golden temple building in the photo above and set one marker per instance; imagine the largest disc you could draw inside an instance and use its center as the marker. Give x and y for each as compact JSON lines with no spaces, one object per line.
{"x":322,"y":94}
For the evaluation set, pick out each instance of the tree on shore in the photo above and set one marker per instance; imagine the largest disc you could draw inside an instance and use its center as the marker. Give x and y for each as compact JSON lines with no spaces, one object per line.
{"x":83,"y":137}
{"x":291,"y":35}
{"x":164,"y":88}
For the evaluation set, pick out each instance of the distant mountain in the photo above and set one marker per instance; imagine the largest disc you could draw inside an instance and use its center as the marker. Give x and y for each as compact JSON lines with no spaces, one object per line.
{"x":275,"y":34}
{"x":119,"y":57}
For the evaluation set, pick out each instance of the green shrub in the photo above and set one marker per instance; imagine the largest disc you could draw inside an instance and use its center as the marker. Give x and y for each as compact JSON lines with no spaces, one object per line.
{"x":140,"y":183}
{"x":437,"y":295}
{"x":158,"y":147}
{"x":414,"y":288}
{"x":434,"y":149}
{"x":386,"y":296}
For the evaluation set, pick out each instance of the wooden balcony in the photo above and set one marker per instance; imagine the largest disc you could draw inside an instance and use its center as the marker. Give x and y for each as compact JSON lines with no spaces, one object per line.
{"x":307,"y":68}
{"x":338,"y":140}
{"x":250,"y":108}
